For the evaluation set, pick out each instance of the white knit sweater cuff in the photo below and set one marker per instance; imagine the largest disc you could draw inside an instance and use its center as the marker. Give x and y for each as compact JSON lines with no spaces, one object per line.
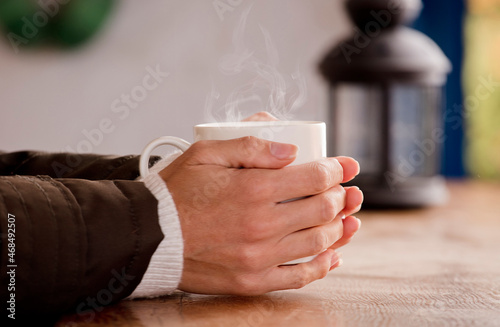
{"x":164,"y":272}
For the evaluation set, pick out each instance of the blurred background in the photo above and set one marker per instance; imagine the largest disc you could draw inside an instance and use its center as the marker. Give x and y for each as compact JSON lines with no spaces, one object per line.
{"x":109,"y":76}
{"x":52,"y":92}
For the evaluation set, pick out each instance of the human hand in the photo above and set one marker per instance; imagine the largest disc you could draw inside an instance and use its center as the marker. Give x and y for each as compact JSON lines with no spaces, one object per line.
{"x":236,"y":231}
{"x":355,"y":196}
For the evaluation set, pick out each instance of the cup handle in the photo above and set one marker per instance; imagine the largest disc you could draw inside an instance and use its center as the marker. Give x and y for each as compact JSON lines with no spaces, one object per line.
{"x":164,"y":140}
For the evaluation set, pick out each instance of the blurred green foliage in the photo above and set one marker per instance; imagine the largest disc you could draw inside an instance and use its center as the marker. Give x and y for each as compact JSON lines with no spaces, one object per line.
{"x":68,"y":23}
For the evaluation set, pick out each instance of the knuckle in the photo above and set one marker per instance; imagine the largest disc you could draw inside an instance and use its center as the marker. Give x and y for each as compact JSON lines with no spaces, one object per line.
{"x":301,"y":279}
{"x":323,"y":272}
{"x":339,"y":169}
{"x":340,"y":189}
{"x":320,"y":241}
{"x":247,"y":146}
{"x":306,"y":276}
{"x":321,"y":176}
{"x":254,"y":230}
{"x":250,"y":144}
{"x":341,"y":193}
{"x":250,"y":140}
{"x":328,"y":208}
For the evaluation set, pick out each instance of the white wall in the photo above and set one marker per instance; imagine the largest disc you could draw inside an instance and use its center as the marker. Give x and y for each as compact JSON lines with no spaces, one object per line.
{"x":48,"y":98}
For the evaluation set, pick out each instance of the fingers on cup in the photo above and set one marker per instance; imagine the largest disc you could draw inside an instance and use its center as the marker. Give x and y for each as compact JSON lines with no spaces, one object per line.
{"x":298,"y":276}
{"x":351,"y":226}
{"x":312,"y":211}
{"x":308,"y":242}
{"x":306,"y":179}
{"x":354,"y":200}
{"x":350,"y":168}
{"x":247,"y":152}
{"x":288,"y":277}
{"x":321,"y":175}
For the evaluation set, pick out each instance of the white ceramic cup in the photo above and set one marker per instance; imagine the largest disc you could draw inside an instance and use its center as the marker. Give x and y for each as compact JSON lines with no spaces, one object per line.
{"x":309,"y":136}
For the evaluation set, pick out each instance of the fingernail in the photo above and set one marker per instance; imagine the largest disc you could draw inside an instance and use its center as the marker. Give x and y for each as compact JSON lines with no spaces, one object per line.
{"x":337,"y":256}
{"x":360,"y":190}
{"x":359,"y":220}
{"x":335,"y":259}
{"x":337,"y":262}
{"x":359,"y":168}
{"x":283,"y":151}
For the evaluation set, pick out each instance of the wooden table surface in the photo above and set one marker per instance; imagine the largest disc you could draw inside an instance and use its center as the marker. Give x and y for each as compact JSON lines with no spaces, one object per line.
{"x":428,"y":267}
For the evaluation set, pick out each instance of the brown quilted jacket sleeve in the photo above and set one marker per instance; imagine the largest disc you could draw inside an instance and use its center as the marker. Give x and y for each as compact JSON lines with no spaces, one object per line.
{"x":81,"y":241}
{"x":71,"y":165}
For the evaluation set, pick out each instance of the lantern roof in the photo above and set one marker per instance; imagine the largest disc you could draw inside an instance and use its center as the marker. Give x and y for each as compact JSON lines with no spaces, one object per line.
{"x":381,"y":51}
{"x":401,"y":11}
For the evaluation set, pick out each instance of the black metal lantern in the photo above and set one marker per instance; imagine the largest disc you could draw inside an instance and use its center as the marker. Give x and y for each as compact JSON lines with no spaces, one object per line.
{"x":386,"y":104}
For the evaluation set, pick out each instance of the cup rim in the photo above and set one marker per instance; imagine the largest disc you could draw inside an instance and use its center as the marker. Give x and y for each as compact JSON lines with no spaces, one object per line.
{"x":260,"y":123}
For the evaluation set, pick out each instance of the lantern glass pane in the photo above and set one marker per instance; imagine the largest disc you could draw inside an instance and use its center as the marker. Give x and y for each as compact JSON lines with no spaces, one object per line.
{"x":356,"y":121}
{"x":415,"y":128}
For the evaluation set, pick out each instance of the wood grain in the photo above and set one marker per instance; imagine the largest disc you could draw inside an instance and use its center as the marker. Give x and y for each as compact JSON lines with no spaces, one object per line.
{"x":428,"y":267}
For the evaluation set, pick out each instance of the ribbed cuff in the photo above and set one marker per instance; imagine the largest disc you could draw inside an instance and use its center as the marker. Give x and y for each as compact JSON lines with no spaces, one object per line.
{"x":164,"y":162}
{"x":165,"y":268}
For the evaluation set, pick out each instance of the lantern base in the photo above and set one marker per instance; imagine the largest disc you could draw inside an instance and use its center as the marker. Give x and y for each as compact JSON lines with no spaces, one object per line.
{"x":413,"y":192}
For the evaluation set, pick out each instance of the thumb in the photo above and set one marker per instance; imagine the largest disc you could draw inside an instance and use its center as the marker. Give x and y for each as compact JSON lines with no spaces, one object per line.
{"x":245,"y":152}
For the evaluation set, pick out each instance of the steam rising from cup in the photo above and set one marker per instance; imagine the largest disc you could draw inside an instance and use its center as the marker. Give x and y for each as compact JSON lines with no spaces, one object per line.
{"x":266,"y":89}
